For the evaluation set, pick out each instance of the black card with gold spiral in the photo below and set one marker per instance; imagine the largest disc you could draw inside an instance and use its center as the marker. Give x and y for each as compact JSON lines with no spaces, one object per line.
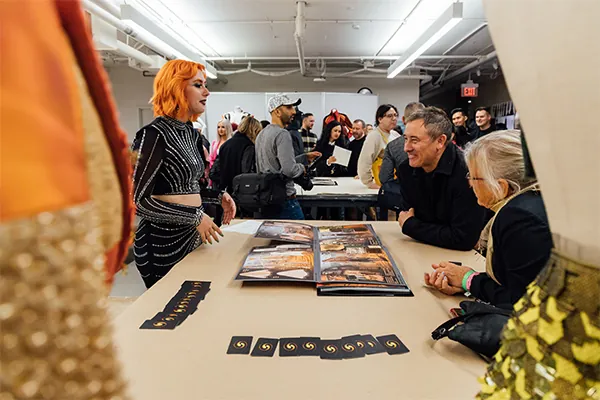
{"x":264,"y":347}
{"x":392,"y":344}
{"x":331,"y":350}
{"x":183,"y":304}
{"x":309,"y":346}
{"x":240,"y":345}
{"x":289,"y":347}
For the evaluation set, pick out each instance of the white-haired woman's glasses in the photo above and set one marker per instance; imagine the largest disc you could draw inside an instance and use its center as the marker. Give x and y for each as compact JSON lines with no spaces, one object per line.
{"x":472,"y":178}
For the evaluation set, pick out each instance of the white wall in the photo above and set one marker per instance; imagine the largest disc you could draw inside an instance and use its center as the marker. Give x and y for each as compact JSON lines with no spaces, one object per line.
{"x":132,"y":91}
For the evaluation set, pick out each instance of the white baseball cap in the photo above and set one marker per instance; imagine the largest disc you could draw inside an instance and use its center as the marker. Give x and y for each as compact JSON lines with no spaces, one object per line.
{"x":282,"y":99}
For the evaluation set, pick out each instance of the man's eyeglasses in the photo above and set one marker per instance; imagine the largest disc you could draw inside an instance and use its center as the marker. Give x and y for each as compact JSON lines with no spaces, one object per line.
{"x":472,"y":178}
{"x":392,"y":116}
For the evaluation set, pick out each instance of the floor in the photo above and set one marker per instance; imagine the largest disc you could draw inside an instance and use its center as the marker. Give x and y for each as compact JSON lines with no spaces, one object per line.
{"x":127,"y":287}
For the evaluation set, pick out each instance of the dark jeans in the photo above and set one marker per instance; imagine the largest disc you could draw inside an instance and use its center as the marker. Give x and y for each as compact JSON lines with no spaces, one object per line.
{"x":289,"y":210}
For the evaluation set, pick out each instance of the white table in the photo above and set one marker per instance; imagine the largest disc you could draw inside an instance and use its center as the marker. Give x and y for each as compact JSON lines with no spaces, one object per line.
{"x":349,"y":192}
{"x":345,"y":186}
{"x":190,"y":362}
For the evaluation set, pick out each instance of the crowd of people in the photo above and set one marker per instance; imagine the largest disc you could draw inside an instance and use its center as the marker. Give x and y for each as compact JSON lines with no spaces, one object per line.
{"x":459,"y":186}
{"x":456,"y":183}
{"x":456,"y":186}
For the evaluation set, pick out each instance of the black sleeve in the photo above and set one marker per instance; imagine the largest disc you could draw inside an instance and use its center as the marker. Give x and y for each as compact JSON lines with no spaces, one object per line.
{"x":522,"y":246}
{"x":386,"y":173}
{"x":249,"y":160}
{"x":150,"y":158}
{"x":215,"y":172}
{"x":464,"y":229}
{"x":321,"y":168}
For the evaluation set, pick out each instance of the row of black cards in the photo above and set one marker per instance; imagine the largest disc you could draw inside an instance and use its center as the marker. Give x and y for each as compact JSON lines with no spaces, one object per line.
{"x":182,"y":305}
{"x":355,"y":346}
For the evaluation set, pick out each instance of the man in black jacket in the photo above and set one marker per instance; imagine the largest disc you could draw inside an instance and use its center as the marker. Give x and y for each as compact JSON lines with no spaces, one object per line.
{"x":443,"y":210}
{"x":484,"y":121}
{"x":355,"y":146}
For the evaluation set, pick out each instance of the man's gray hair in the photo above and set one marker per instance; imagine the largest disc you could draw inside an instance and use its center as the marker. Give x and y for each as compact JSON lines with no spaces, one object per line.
{"x":412,"y":107}
{"x":435,"y":120}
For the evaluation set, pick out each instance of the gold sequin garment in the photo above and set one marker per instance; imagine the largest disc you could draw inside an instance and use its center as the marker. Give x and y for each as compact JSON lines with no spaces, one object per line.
{"x":55,"y":336}
{"x":551,"y":346}
{"x":101,"y":169}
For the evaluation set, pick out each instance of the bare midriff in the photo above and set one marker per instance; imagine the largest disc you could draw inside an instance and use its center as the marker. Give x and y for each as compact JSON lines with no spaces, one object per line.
{"x":193,"y":200}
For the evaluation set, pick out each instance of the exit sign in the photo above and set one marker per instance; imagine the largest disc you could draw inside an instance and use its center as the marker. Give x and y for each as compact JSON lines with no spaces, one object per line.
{"x":469,"y":90}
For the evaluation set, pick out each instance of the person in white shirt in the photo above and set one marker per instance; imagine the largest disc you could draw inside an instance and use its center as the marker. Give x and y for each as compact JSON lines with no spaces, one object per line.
{"x":371,"y":155}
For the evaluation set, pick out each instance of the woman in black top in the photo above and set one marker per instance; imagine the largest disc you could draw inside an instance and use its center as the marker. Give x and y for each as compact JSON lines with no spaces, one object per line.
{"x":331,"y":137}
{"x":237,"y":155}
{"x":167,"y":191}
{"x":517,"y":240}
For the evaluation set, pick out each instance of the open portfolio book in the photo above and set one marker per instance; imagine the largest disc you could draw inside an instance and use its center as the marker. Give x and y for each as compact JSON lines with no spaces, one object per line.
{"x":342,"y":260}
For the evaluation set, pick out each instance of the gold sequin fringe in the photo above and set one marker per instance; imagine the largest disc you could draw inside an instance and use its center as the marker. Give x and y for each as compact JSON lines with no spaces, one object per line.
{"x":551,"y":346}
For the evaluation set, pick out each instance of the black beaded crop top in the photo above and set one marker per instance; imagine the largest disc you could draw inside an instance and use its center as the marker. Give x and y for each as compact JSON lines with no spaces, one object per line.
{"x":169,"y":161}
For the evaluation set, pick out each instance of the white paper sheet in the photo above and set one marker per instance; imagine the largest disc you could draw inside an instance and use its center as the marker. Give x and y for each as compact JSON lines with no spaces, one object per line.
{"x":246,"y":227}
{"x":342,"y":156}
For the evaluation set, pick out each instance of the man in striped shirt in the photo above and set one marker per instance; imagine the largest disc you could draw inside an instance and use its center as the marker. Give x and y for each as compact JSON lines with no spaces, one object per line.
{"x":309,"y":139}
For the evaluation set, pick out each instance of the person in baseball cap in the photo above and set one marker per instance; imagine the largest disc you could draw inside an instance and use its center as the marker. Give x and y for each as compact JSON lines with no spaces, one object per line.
{"x":282,"y":99}
{"x":275,"y":154}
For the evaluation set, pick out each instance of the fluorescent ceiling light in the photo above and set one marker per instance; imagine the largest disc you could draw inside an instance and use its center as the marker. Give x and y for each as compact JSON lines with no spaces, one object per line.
{"x":161,"y":47}
{"x":162,"y":11}
{"x":415,"y":24}
{"x":448,"y":20}
{"x":132,"y":16}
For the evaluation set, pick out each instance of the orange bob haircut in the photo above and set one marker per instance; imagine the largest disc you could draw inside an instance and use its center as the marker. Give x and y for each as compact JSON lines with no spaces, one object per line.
{"x":169,"y":88}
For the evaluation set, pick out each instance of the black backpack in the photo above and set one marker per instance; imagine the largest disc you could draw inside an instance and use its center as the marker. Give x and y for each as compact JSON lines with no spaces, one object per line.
{"x":253,"y":191}
{"x":390,"y":196}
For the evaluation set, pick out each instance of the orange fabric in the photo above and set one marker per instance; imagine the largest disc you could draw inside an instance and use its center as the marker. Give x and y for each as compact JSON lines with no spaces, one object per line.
{"x":42,"y":164}
{"x":75,"y":24}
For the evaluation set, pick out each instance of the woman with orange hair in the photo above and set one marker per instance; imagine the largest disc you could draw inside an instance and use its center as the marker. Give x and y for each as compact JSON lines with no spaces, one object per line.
{"x":167,"y":174}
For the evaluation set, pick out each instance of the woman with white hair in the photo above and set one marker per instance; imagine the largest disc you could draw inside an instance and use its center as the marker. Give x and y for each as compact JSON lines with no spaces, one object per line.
{"x":517,"y":240}
{"x":224,"y":133}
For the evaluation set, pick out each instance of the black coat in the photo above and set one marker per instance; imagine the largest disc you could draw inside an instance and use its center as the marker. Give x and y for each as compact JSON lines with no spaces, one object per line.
{"x":236,"y":156}
{"x":446,"y":210}
{"x":355,"y":147}
{"x":522,"y":245}
{"x":321,"y":166}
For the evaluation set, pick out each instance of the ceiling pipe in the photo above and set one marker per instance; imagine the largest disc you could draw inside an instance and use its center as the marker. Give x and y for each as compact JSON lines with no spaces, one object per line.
{"x":299,"y":34}
{"x":361,"y":58}
{"x":142,"y":37}
{"x":431,"y":90}
{"x":135,"y":54}
{"x":109,"y":7}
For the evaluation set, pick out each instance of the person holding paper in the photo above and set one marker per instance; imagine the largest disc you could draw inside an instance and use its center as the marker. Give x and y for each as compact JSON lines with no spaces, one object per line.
{"x":331,"y":138}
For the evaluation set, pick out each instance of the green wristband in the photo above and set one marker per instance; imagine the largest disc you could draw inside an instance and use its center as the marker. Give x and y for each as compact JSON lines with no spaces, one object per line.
{"x":466,"y":278}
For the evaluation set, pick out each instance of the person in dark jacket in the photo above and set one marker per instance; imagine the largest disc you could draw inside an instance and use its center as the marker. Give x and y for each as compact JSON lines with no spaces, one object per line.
{"x":237,"y":155}
{"x":355,"y":146}
{"x":462,"y":131}
{"x":331,"y":137}
{"x":442,"y":209}
{"x":485,"y":122}
{"x":517,"y":241}
{"x":294,"y":128}
{"x":394,"y":153}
